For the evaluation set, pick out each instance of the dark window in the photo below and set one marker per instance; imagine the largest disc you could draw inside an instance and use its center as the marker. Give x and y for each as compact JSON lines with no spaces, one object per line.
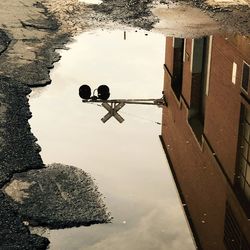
{"x":242,"y":179}
{"x":198,"y":91}
{"x":245,"y":77}
{"x":233,"y":236}
{"x":177,"y":67}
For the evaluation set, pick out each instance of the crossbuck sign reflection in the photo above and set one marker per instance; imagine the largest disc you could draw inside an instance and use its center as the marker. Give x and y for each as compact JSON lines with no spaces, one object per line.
{"x":112,"y":109}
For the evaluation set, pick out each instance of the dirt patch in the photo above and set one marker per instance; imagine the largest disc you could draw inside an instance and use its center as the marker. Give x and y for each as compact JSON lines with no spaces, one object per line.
{"x":182,"y":20}
{"x":17,"y":190}
{"x":227,"y":3}
{"x":231,"y":16}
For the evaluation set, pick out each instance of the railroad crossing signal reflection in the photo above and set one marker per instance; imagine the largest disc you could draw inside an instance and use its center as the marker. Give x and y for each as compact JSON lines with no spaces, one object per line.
{"x":113,"y":106}
{"x":102,"y":95}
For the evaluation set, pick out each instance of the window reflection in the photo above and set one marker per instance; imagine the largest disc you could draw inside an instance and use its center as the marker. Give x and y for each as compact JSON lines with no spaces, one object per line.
{"x":243,"y":165}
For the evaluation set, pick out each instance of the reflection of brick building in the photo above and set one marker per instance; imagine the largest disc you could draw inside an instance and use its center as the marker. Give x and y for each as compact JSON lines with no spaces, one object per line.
{"x":206,"y":136}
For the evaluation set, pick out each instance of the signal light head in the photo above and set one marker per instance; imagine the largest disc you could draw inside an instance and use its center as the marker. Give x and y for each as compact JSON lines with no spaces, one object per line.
{"x":103,"y":92}
{"x":85,"y":92}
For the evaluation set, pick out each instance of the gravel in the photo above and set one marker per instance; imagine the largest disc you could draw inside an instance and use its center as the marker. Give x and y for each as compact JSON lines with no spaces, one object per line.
{"x":57,"y":196}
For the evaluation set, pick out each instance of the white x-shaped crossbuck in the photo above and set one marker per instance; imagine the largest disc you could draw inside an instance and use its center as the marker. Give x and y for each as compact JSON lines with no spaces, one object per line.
{"x":112,"y":111}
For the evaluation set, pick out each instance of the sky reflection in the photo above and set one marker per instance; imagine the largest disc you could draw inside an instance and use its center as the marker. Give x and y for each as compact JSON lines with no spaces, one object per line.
{"x":127,"y":159}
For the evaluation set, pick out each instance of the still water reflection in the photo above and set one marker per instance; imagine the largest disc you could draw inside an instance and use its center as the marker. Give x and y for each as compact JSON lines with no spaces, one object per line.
{"x":91,"y":1}
{"x":207,"y":136}
{"x":126,"y":159}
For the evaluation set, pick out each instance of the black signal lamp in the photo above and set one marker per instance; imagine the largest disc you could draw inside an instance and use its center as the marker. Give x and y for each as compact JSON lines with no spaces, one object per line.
{"x":103,"y":92}
{"x":85,"y":92}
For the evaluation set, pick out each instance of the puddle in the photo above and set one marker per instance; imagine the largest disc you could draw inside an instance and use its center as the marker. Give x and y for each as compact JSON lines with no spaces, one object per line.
{"x":126,"y":160}
{"x":91,"y":1}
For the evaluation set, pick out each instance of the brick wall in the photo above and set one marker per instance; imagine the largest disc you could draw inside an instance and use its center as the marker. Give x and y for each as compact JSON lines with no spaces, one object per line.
{"x":205,"y":171}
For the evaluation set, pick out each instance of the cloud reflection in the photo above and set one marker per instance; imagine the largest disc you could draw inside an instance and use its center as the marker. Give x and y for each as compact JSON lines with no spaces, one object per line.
{"x":146,"y":234}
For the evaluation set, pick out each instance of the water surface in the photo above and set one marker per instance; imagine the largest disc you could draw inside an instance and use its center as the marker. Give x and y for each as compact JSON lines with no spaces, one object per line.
{"x":126,"y":160}
{"x":91,"y":1}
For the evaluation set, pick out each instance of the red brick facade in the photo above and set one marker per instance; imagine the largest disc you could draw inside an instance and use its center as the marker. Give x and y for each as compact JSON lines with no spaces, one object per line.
{"x":204,"y":166}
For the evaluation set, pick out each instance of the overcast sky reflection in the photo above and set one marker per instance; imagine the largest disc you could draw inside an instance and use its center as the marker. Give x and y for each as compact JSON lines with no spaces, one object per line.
{"x":126,"y":159}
